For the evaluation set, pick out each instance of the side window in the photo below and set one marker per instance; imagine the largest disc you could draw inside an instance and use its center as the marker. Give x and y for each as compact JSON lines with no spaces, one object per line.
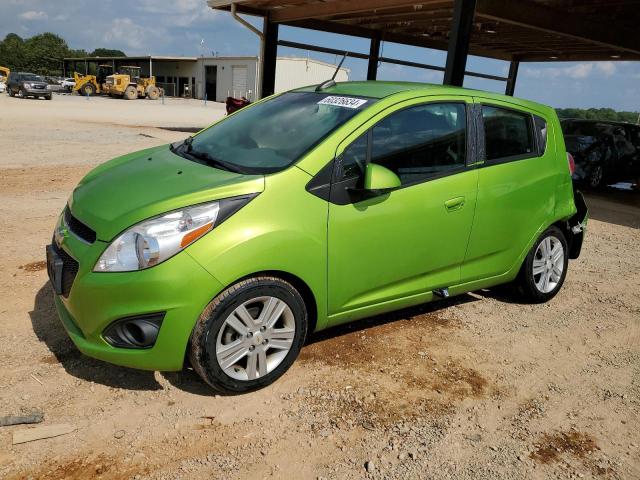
{"x":507,"y":133}
{"x":421,"y":142}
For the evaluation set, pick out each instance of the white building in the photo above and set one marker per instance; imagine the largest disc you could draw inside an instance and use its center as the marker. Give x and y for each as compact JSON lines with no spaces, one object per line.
{"x":222,"y":77}
{"x":216,"y":77}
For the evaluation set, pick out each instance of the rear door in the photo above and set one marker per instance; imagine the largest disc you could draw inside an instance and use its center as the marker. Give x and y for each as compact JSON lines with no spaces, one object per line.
{"x":413,"y":239}
{"x":516,"y":187}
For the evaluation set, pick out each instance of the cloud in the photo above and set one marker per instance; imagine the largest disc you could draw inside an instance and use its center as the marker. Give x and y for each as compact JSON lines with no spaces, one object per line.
{"x":34,"y":15}
{"x":607,"y":68}
{"x":578,"y":71}
{"x":124,"y":32}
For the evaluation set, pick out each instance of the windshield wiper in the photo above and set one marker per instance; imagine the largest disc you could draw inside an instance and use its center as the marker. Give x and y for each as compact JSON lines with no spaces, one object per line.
{"x":186,"y":144}
{"x":212,"y":161}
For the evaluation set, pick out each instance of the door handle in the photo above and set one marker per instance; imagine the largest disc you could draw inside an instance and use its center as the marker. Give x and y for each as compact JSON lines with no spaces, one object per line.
{"x":454,"y":204}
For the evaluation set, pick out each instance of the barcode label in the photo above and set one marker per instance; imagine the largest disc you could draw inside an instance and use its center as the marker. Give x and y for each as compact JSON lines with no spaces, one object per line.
{"x":346,"y":102}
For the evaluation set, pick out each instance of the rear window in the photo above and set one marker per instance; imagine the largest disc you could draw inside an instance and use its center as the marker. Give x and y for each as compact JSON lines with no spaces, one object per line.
{"x":508,"y":134}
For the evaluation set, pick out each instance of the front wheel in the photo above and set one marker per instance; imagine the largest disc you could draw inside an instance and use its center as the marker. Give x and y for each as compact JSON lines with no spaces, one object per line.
{"x":545,"y":267}
{"x":88,"y":90}
{"x":131,"y":93}
{"x":249,"y":335}
{"x":596,"y":177}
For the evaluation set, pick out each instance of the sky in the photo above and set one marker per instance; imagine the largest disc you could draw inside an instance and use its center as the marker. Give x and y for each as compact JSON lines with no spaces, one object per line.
{"x":190,"y":28}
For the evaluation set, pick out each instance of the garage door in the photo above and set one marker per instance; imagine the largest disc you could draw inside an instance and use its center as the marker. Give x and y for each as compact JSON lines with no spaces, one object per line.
{"x":239,"y":76}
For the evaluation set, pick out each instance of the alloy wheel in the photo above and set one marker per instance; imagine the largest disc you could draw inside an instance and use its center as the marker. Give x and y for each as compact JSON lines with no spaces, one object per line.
{"x":596,"y":176}
{"x":255,"y":338}
{"x":548,"y":264}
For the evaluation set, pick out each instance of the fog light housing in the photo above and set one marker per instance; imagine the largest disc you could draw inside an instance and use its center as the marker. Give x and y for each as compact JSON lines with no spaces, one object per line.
{"x":134,"y":332}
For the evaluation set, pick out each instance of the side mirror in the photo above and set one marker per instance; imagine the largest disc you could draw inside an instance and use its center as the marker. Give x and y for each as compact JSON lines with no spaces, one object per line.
{"x":380,"y":179}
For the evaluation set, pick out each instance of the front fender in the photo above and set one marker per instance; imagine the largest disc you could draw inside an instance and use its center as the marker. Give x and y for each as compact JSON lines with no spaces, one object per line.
{"x":282,"y":229}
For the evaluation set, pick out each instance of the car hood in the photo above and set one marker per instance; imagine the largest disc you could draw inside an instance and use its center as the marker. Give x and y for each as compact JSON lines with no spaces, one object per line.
{"x":137,"y":186}
{"x":34,"y":83}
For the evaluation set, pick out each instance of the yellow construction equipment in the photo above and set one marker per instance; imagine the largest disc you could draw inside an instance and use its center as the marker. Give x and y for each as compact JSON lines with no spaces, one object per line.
{"x":88,"y":85}
{"x":4,"y":74}
{"x":128,"y":84}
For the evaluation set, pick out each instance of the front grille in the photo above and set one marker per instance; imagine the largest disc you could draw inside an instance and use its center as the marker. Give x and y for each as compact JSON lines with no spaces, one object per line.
{"x":69,"y":271}
{"x":78,"y":228}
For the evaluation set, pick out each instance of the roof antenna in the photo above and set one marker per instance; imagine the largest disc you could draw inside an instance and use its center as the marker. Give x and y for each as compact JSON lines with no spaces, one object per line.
{"x":332,"y":82}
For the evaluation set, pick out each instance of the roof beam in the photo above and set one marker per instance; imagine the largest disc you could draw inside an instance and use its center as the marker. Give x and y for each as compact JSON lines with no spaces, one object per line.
{"x":330,"y":9}
{"x":527,"y":14}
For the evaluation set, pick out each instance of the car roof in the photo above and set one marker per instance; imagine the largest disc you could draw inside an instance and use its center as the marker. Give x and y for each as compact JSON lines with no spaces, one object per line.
{"x":382,"y":89}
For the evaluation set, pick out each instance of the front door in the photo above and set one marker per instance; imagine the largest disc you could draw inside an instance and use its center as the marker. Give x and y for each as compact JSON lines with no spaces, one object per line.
{"x":412,"y":240}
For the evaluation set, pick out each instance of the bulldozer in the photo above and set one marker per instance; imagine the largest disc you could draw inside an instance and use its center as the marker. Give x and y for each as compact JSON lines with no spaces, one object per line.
{"x":88,"y":85}
{"x":4,"y":74}
{"x":128,"y":84}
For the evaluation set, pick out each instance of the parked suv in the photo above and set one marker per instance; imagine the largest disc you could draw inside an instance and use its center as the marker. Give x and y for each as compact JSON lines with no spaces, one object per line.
{"x":27,"y":85}
{"x":604,"y":152}
{"x":306,"y":210}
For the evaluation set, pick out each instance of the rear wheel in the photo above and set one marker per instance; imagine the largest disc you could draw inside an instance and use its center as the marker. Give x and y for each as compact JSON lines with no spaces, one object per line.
{"x":11,"y":93}
{"x":249,"y":335}
{"x":545,"y":267}
{"x":131,"y":93}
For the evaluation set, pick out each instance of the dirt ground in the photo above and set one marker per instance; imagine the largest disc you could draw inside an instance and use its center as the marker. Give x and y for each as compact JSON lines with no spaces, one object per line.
{"x":476,"y":387}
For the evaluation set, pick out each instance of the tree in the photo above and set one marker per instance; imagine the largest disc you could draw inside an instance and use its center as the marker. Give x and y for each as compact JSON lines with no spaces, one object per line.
{"x":12,"y":51}
{"x":107,"y":52}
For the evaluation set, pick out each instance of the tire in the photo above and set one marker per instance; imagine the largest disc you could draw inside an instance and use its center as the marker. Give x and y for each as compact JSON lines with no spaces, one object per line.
{"x":212,"y":333}
{"x":88,"y":90}
{"x":11,"y":93}
{"x":48,"y":97}
{"x":21,"y":93}
{"x":131,"y":93}
{"x":596,"y":177}
{"x":532,"y":285}
{"x":153,"y":93}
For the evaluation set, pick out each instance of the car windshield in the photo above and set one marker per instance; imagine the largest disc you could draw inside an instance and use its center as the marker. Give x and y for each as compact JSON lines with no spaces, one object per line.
{"x":32,"y":78}
{"x":272,"y":135}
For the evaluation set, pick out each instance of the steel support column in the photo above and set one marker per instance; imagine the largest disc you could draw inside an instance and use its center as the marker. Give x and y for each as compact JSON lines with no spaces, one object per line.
{"x":269,"y":57}
{"x":374,"y":57}
{"x":459,"y":37}
{"x":511,"y":80}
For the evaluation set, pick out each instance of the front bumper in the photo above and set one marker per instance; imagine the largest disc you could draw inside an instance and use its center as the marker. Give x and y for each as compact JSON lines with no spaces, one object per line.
{"x":41,"y":92}
{"x":179,"y":286}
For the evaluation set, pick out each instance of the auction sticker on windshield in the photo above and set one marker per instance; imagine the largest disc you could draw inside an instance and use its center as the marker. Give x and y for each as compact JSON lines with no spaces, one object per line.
{"x":346,"y":102}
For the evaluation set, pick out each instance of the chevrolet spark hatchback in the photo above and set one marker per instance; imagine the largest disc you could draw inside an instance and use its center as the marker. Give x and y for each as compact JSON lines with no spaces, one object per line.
{"x":309,"y":209}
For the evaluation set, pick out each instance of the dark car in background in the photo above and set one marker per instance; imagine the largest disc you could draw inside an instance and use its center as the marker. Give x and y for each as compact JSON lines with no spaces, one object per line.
{"x":604,"y":152}
{"x":25,"y":85}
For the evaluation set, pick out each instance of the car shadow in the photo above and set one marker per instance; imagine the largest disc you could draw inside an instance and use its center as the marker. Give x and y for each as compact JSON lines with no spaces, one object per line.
{"x":188,"y":380}
{"x":48,"y":328}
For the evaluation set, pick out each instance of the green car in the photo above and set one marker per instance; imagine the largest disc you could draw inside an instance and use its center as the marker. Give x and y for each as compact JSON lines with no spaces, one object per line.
{"x":306,"y":210}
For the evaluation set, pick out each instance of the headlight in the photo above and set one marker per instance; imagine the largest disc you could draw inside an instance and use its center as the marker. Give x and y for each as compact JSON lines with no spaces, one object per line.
{"x":27,"y":85}
{"x":155,"y":240}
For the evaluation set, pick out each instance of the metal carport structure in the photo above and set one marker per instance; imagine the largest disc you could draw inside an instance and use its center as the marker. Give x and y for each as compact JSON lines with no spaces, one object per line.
{"x":515,"y":31}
